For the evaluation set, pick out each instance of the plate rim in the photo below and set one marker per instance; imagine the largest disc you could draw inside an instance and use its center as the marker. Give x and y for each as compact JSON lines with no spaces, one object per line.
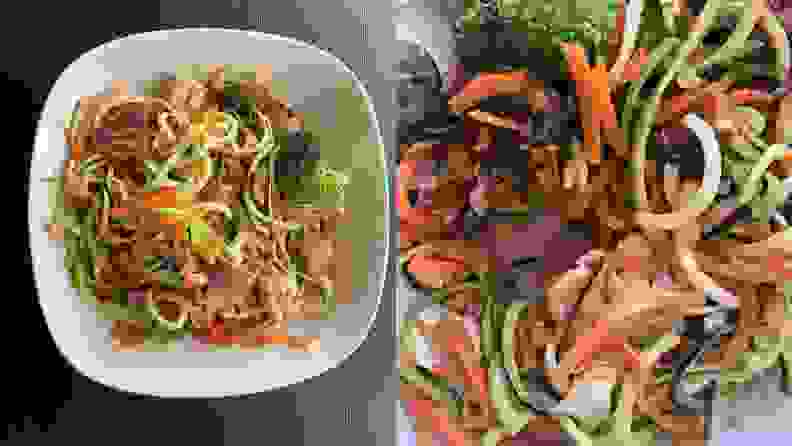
{"x":38,"y":237}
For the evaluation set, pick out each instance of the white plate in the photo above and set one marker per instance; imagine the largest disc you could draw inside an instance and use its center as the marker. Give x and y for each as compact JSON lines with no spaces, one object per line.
{"x":318,"y":85}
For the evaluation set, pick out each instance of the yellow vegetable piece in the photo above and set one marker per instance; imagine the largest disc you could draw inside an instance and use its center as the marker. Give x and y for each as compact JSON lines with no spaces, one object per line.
{"x":200,"y":168}
{"x":198,"y":134}
{"x":214,"y":119}
{"x":209,"y":248}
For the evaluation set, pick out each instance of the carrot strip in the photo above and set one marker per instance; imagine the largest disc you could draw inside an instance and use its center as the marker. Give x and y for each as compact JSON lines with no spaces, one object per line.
{"x":76,"y":151}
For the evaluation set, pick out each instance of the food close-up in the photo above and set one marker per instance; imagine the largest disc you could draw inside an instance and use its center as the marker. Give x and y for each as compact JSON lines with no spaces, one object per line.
{"x":594,"y":215}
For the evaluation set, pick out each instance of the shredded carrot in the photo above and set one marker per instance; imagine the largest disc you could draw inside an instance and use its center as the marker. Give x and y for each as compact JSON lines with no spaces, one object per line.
{"x":76,"y":151}
{"x":599,"y":106}
{"x":608,"y":110}
{"x":579,"y":72}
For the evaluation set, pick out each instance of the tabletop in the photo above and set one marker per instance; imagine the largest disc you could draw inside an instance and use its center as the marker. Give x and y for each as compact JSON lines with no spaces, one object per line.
{"x":49,"y":399}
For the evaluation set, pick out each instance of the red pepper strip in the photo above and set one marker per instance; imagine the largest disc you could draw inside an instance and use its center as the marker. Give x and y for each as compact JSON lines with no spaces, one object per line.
{"x":485,"y":84}
{"x":407,"y":168}
{"x":743,"y":95}
{"x":598,"y":340}
{"x":775,"y":264}
{"x":680,"y":103}
{"x":439,"y":371}
{"x":418,"y":216}
{"x":476,"y":377}
{"x":217,"y":334}
{"x":713,"y":103}
{"x":187,"y":281}
{"x":119,"y":212}
{"x":436,"y":264}
{"x":406,"y":232}
{"x":632,"y":264}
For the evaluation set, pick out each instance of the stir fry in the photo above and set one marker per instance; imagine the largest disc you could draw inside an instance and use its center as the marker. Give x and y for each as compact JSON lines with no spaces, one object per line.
{"x":601,"y":222}
{"x":203,"y":208}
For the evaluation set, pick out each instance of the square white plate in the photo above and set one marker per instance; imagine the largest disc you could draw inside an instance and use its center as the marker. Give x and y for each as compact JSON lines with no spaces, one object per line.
{"x":315,"y":83}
